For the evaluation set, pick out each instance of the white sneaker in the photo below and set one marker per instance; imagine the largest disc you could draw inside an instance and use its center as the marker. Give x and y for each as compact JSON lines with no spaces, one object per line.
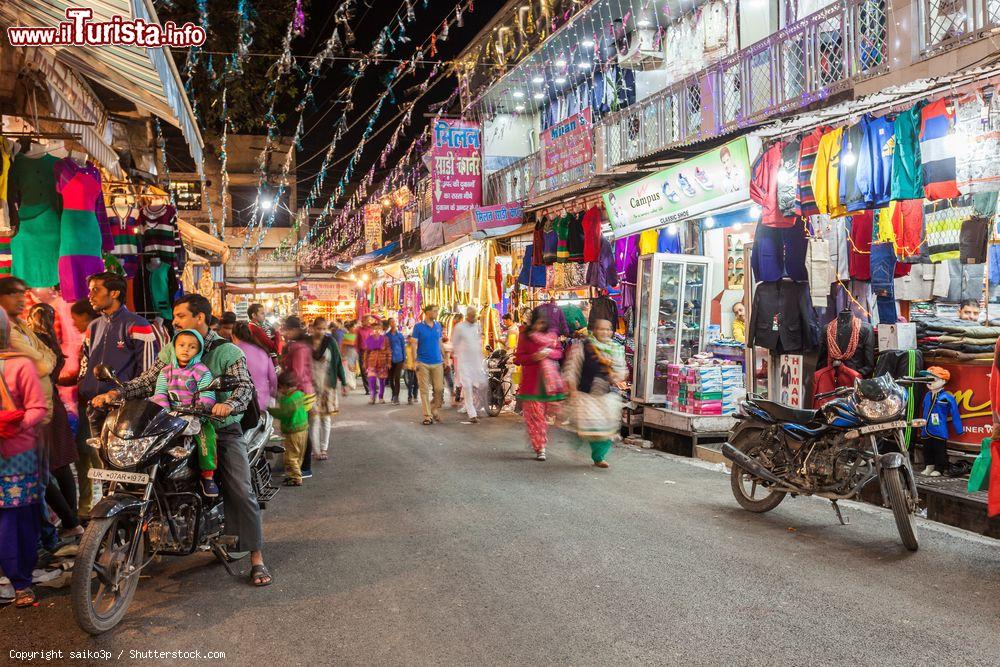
{"x":935,"y":473}
{"x":928,"y":471}
{"x":540,"y":456}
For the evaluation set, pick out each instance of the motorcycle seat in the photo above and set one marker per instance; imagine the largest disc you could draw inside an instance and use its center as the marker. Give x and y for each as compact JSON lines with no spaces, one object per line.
{"x":785,"y":413}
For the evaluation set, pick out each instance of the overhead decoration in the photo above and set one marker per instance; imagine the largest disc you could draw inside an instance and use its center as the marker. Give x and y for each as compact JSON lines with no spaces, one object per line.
{"x":402,"y":69}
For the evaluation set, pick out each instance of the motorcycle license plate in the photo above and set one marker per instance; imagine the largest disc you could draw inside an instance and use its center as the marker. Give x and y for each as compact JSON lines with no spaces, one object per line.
{"x":118,"y":476}
{"x":888,"y":426}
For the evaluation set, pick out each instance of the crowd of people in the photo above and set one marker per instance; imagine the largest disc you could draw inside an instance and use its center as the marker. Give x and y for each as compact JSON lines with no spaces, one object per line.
{"x":297,"y":371}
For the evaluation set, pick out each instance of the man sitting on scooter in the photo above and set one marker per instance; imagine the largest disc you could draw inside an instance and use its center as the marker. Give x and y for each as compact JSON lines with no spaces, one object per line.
{"x":193,"y":311}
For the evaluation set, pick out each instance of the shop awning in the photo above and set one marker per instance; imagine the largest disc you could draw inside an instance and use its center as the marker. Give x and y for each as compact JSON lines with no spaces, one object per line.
{"x":200,"y":240}
{"x":146,"y":77}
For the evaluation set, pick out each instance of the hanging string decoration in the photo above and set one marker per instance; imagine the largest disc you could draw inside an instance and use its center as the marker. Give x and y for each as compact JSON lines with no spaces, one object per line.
{"x":162,"y":143}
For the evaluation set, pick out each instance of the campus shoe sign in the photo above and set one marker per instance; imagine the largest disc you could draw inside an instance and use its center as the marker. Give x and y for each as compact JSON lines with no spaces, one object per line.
{"x":717,"y":178}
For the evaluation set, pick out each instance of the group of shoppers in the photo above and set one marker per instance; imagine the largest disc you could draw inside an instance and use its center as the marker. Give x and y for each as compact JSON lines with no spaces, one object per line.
{"x":38,"y":446}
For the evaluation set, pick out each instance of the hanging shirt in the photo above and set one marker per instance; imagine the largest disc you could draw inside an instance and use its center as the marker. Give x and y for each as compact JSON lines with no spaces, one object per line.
{"x":768,"y":177}
{"x":937,"y":150}
{"x":825,"y":175}
{"x":668,"y":242}
{"x":159,"y":236}
{"x":874,"y":174}
{"x":850,"y":157}
{"x":907,"y":220}
{"x":943,"y":225}
{"x":648,"y":241}
{"x":805,"y":202}
{"x":907,"y":171}
{"x":591,"y":234}
{"x":125,"y":235}
{"x":859,"y":259}
{"x":978,"y":119}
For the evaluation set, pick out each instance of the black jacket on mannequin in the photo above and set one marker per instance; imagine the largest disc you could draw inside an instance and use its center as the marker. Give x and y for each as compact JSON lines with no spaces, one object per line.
{"x":782,"y":318}
{"x":863,"y":359}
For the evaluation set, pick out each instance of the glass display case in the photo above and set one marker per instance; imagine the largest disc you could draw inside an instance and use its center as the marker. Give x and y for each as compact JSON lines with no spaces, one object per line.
{"x":673,"y":310}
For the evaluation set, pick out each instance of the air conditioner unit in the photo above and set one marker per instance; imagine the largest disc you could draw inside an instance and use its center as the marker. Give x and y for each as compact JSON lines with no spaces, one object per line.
{"x":641,"y":51}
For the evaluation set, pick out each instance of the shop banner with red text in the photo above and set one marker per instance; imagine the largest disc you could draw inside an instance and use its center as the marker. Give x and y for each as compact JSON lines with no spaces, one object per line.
{"x":456,"y":168}
{"x":568,"y":144}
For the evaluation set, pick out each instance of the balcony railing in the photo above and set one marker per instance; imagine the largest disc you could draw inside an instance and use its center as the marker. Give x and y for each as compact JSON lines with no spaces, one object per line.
{"x":515,"y":182}
{"x":809,"y":60}
{"x":950,"y":23}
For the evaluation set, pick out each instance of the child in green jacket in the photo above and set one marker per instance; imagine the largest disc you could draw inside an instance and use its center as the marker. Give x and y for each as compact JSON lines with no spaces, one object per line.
{"x":291,"y":411}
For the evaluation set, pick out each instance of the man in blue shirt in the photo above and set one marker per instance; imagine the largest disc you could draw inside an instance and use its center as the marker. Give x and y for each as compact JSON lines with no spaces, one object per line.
{"x":397,"y":346}
{"x":426,"y":336}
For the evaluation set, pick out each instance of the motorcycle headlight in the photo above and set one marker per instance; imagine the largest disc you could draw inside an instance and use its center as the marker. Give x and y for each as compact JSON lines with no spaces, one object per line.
{"x":888,"y":408}
{"x":124,"y":453}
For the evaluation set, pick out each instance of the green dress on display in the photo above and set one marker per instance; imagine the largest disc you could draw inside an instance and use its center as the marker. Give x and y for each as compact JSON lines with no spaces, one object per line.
{"x":35,"y":247}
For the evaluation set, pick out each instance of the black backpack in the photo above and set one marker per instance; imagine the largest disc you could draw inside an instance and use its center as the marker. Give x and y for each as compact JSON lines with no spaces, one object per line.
{"x":251,"y":416}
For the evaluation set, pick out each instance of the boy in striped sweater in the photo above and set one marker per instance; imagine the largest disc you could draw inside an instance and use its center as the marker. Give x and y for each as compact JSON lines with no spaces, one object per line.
{"x":181,"y":384}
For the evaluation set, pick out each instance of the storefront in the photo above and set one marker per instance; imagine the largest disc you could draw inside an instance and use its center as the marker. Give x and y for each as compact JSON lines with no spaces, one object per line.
{"x":329,"y":299}
{"x":680,"y":237}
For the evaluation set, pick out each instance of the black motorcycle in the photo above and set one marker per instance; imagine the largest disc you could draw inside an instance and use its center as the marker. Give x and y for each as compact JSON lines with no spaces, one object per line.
{"x":833,"y":452}
{"x":152,"y":505}
{"x":499,"y":385}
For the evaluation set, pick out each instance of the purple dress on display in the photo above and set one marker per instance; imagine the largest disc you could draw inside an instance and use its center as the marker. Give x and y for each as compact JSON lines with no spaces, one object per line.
{"x":82,"y":234}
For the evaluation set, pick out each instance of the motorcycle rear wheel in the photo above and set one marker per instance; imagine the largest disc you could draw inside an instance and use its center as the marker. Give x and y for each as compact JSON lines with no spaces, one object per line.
{"x":898,"y":493}
{"x":104,"y":549}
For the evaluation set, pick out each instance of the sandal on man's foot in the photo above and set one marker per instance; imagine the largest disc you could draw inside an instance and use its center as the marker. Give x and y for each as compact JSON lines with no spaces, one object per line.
{"x":24,"y":598}
{"x":291,"y":482}
{"x":427,"y":422}
{"x":259,"y":576}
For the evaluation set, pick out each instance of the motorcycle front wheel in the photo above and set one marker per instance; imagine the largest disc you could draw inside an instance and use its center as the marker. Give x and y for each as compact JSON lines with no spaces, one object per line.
{"x":898,"y":495}
{"x":496,"y":397}
{"x":104,"y":577}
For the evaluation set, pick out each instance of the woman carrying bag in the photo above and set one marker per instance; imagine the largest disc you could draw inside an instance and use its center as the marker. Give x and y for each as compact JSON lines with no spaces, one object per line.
{"x":22,"y":409}
{"x":593,"y":367}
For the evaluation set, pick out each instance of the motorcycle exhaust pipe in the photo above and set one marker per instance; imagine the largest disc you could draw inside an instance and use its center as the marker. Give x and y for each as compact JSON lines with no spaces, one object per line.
{"x":756,"y":469}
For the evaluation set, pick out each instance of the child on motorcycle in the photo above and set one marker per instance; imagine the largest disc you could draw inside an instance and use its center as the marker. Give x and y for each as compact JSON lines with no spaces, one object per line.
{"x":179,"y":387}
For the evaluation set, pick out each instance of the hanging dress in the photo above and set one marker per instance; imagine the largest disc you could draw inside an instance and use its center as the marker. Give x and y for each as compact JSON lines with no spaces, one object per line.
{"x":80,"y":237}
{"x":35,"y":247}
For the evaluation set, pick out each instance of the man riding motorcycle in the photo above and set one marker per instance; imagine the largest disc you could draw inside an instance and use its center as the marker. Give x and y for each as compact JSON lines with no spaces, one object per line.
{"x":193,"y":311}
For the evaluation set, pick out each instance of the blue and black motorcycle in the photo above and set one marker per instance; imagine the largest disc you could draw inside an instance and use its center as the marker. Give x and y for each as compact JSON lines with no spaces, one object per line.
{"x":834,"y":452}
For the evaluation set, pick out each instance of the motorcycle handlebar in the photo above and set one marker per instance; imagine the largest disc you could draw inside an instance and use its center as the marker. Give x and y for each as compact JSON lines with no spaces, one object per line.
{"x":836,"y":392}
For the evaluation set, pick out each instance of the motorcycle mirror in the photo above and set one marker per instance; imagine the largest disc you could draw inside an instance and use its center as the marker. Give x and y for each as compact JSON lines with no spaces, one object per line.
{"x":104,"y":374}
{"x":222,"y":383}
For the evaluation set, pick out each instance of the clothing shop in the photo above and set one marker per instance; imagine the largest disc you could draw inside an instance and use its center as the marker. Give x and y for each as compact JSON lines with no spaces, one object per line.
{"x":877,"y":252}
{"x":681,"y":242}
{"x":333,"y":300}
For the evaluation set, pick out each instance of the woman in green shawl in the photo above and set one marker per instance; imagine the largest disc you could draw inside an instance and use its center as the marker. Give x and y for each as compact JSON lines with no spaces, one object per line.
{"x":594,"y":366}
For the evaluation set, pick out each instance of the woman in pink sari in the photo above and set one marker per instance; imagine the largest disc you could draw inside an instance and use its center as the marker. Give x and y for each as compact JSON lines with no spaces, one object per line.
{"x":542,"y":387}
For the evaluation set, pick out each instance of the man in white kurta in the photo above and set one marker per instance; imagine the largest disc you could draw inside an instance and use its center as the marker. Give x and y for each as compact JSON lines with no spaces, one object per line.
{"x":467,"y":348}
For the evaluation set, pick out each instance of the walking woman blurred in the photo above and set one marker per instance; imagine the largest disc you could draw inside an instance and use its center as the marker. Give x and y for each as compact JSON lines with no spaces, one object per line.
{"x":60,"y":485}
{"x":349,"y":353}
{"x":542,"y":387}
{"x":22,"y":409}
{"x":378,"y":360}
{"x":593,"y":366}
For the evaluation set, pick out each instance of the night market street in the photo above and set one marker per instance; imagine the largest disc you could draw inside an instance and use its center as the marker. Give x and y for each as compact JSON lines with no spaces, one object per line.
{"x":450,"y":545}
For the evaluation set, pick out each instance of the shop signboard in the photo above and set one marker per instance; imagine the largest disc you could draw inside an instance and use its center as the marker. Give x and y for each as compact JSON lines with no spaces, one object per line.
{"x":970,"y":383}
{"x":790,"y":380}
{"x":712,"y":180}
{"x":431,"y":234}
{"x":456,"y":168}
{"x":501,"y":215}
{"x":326,"y":290}
{"x":459,"y":225}
{"x":568,"y":144}
{"x":373,"y":227}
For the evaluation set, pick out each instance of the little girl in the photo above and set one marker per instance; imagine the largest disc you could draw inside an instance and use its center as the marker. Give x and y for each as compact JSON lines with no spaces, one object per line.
{"x":177,"y":386}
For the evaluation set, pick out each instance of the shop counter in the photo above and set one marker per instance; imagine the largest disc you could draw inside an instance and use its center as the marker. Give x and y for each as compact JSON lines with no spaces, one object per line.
{"x":698,"y":428}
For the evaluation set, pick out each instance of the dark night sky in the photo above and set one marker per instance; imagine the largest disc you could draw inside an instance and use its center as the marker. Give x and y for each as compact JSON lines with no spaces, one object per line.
{"x":321,"y":119}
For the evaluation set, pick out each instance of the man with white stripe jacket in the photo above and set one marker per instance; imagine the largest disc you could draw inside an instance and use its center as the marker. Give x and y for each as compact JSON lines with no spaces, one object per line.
{"x":119,"y":339}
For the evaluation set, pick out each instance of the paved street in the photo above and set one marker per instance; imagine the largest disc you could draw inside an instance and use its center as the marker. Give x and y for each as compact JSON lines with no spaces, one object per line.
{"x":450,"y":545}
